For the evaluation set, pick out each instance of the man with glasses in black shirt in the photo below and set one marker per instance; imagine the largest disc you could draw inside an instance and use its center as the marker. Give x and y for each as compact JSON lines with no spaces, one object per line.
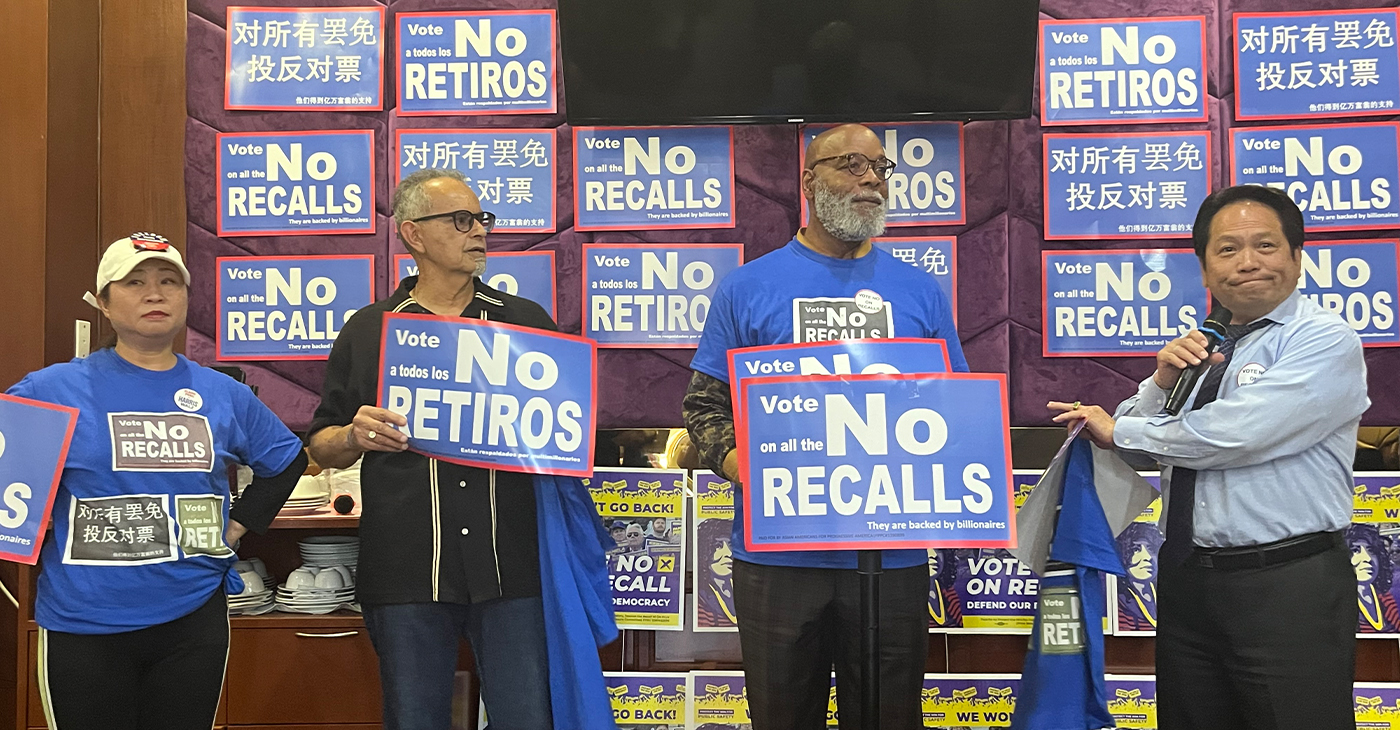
{"x":446,"y":550}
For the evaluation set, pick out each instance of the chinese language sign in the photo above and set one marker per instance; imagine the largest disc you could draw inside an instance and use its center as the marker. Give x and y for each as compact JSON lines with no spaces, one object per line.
{"x":304,"y":58}
{"x":511,"y":170}
{"x":935,"y":255}
{"x":1316,"y":64}
{"x":1125,"y":185}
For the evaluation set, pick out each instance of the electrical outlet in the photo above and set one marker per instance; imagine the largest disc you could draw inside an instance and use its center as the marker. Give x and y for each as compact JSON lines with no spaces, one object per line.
{"x":82,"y":338}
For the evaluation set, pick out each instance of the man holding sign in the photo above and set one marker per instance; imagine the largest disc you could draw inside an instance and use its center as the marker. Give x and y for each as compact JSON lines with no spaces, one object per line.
{"x":447,"y":549}
{"x":798,"y":612}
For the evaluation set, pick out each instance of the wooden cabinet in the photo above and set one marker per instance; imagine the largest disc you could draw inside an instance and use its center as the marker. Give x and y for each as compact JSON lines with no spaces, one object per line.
{"x":285,"y":671}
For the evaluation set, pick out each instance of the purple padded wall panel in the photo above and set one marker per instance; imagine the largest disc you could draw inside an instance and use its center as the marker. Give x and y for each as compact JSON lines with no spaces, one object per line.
{"x":998,"y":248}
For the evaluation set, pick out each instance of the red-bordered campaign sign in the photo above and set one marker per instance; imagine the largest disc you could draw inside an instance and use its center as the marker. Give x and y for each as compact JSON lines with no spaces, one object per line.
{"x":1122,"y":70}
{"x":327,"y":58}
{"x":295,"y":183}
{"x":512,"y":171}
{"x":1360,"y":282}
{"x":525,"y":274}
{"x":652,"y":295}
{"x":929,"y":184}
{"x":936,"y":256}
{"x":488,"y":62}
{"x":1344,"y":177}
{"x":874,"y":462}
{"x":34,"y":441}
{"x":490,"y":394}
{"x":838,"y":357}
{"x":287,"y":307}
{"x":653,"y":178}
{"x":1119,"y":302}
{"x":1101,"y":187}
{"x":1316,"y":63}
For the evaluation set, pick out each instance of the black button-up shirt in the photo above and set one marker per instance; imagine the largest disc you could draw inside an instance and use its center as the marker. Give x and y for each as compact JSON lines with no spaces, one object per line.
{"x":431,"y":530}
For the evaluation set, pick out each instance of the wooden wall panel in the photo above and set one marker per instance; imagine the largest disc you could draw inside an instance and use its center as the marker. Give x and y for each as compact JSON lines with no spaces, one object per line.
{"x":23,"y":126}
{"x":72,"y":249}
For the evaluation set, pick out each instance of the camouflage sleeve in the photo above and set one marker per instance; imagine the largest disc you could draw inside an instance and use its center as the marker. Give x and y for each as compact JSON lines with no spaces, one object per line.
{"x":709,"y":417}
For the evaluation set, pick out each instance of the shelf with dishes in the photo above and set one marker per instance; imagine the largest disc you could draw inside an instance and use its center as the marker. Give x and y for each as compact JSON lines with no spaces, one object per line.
{"x":322,"y":582}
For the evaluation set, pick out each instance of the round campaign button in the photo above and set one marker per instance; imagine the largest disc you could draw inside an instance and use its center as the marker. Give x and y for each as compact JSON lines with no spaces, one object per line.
{"x":869,"y":302}
{"x":188,"y":400}
{"x":1249,"y":373}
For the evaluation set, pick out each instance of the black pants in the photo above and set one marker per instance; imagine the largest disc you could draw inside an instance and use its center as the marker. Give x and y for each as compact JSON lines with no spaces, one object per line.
{"x":795,"y":623}
{"x":1258,"y":649}
{"x":166,"y":677}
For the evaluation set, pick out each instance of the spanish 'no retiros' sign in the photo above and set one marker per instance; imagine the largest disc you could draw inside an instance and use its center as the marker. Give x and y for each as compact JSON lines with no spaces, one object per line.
{"x":488,"y":394}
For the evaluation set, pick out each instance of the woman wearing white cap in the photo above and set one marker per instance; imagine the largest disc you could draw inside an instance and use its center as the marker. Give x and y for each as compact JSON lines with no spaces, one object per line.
{"x":130,"y":603}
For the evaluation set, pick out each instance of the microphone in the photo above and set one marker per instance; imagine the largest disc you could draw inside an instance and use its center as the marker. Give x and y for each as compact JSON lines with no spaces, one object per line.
{"x":1214,"y":330}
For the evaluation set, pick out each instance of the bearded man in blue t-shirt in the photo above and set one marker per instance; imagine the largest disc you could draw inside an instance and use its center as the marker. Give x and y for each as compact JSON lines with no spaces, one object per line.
{"x":799,"y":612}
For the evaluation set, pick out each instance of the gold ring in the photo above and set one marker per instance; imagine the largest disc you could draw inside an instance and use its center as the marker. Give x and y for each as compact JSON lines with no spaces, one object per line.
{"x":372,"y":434}
{"x":1074,"y":407}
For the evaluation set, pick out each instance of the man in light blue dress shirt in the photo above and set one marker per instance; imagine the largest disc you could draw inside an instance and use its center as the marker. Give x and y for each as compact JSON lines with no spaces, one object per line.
{"x":1257,"y":608}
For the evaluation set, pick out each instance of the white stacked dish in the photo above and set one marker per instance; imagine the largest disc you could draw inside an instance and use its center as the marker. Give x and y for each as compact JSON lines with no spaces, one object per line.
{"x":311,"y":494}
{"x":322,"y":551}
{"x":256,"y":597}
{"x":317,"y":590}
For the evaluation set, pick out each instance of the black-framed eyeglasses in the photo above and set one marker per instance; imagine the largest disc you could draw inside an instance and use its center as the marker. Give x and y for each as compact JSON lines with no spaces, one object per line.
{"x":856,"y":164}
{"x":463,"y":219}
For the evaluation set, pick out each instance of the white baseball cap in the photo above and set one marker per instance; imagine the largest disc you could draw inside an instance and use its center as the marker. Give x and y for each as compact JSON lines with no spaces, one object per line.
{"x":126,"y":253}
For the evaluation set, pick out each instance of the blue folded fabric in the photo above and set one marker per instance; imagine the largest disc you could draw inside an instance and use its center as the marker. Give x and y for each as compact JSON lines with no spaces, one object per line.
{"x":578,"y":611}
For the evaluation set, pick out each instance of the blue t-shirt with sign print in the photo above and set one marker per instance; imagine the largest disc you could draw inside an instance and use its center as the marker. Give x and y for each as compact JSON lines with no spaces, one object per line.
{"x":789,"y":296}
{"x":138,"y":522}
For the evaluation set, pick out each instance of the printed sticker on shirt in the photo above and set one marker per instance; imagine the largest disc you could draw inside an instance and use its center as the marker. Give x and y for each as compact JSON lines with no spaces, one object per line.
{"x":189,"y":400}
{"x":1249,"y":373}
{"x":1061,"y":621}
{"x":201,"y":521}
{"x":824,"y":320}
{"x":161,"y":442}
{"x":129,"y":529}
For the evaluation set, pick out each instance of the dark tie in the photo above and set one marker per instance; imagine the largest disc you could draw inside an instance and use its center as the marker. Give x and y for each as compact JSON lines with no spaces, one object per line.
{"x":1181,"y":507}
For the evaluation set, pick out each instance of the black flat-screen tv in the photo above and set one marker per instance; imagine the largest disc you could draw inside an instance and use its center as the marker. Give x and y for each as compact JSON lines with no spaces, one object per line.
{"x":724,"y":61}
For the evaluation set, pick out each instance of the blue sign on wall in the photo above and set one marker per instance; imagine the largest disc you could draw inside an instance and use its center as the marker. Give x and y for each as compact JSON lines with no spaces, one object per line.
{"x":1344,"y":177}
{"x":34,"y":440}
{"x":295,"y":183}
{"x":934,"y":255}
{"x":837,"y":462}
{"x":304,"y":59}
{"x":653,"y":178}
{"x":1358,"y":281}
{"x":492,"y":395}
{"x":927,"y":187}
{"x":1119,"y":303}
{"x":525,"y":274}
{"x":652,"y":295}
{"x":511,"y":170}
{"x":1317,"y":63}
{"x":1109,"y":186}
{"x":1122,"y":71}
{"x":479,"y":62}
{"x":287,"y":307}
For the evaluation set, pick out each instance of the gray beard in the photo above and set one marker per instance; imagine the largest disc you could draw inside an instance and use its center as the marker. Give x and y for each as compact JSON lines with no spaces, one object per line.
{"x":840,"y":217}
